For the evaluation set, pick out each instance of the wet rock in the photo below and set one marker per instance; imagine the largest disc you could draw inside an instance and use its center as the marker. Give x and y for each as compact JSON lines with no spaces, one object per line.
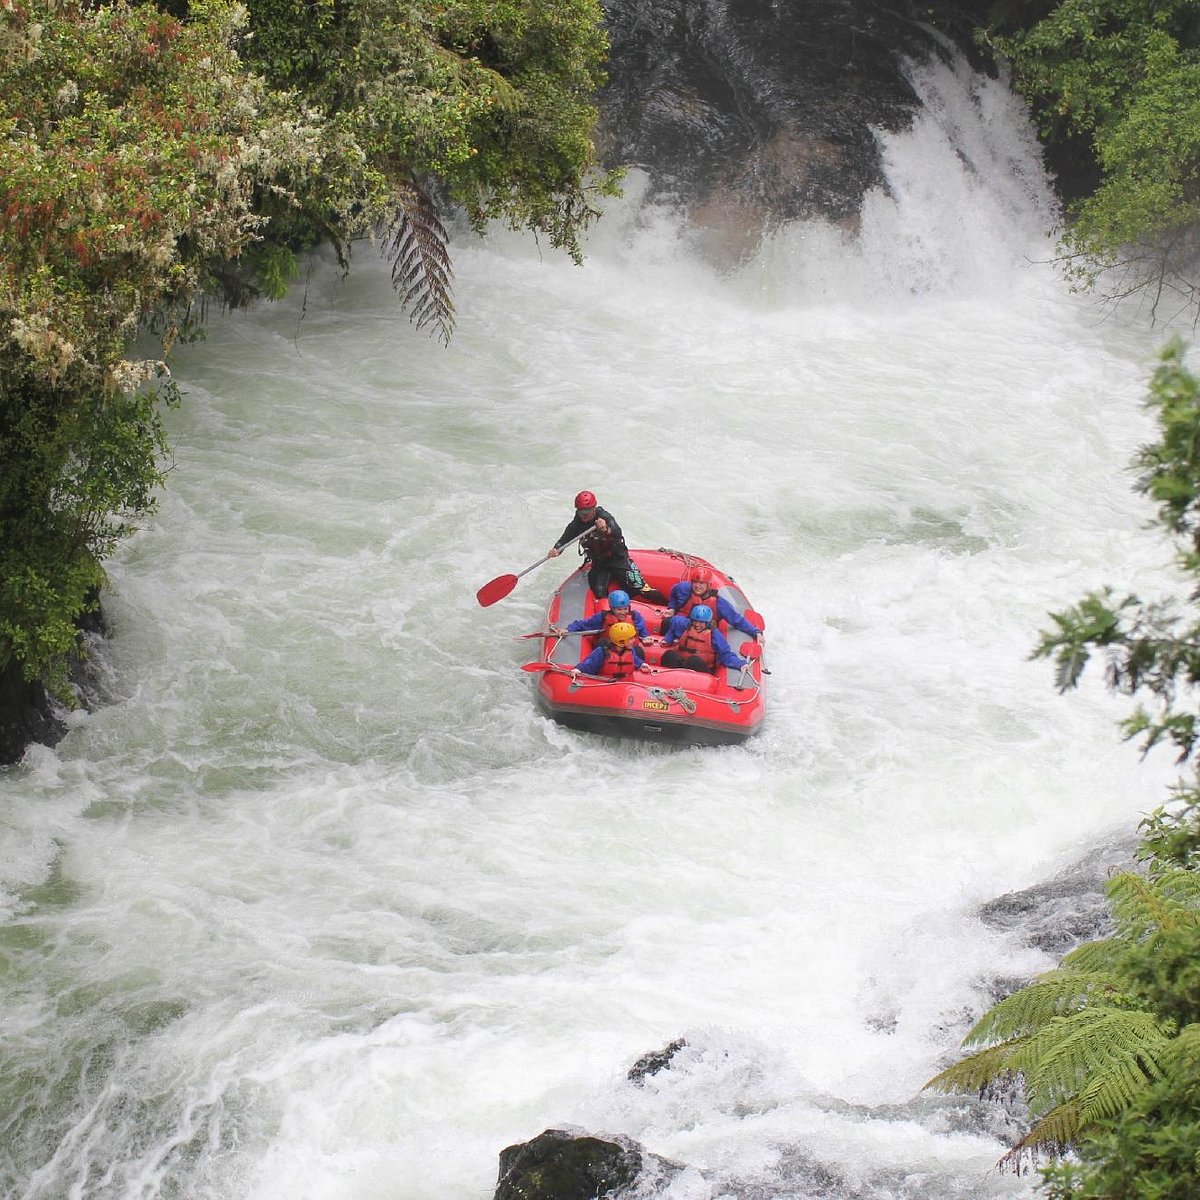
{"x":26,"y":715}
{"x":562,"y":1164}
{"x":655,"y":1061}
{"x":752,"y":112}
{"x":1067,"y":909}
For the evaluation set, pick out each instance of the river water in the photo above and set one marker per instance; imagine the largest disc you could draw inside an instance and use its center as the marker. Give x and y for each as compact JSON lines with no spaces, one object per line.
{"x":316,"y":904}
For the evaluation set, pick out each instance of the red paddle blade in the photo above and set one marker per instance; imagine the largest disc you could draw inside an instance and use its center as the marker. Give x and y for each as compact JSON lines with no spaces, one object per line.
{"x":751,"y":650}
{"x":497,"y":589}
{"x":541,"y":667}
{"x":755,"y":618}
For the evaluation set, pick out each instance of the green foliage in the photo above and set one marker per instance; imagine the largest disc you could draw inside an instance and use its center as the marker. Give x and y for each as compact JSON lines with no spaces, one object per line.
{"x":1106,"y":1047}
{"x":1171,"y":837}
{"x":1125,"y":76}
{"x":145,"y":166}
{"x":1148,"y":1152}
{"x":1079,"y":1039}
{"x":492,"y":98}
{"x":130,"y":147}
{"x":1149,"y":647}
{"x":1089,"y":1038}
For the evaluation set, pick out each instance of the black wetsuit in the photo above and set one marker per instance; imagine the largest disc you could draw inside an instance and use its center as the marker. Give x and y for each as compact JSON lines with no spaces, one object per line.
{"x":607,"y":554}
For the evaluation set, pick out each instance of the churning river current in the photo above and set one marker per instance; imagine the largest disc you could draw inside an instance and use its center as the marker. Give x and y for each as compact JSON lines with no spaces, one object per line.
{"x":314,"y":903}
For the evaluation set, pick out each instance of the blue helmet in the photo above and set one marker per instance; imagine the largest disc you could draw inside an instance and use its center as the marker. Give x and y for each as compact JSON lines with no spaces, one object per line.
{"x":701,"y":613}
{"x":618,"y":600}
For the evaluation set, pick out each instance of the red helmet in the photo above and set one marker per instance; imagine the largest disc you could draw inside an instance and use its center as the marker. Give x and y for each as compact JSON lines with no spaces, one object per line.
{"x":585,"y":500}
{"x":701,"y":575}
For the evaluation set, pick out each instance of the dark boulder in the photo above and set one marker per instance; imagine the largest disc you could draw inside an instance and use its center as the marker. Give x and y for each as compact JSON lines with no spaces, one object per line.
{"x":27,"y":711}
{"x":26,"y":715}
{"x":655,"y":1061}
{"x":560,"y":1164}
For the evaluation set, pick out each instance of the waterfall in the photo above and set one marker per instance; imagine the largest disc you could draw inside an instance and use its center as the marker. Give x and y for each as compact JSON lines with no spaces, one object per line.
{"x":313,"y":902}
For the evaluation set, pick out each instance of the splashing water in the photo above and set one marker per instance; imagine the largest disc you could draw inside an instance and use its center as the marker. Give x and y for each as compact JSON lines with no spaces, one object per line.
{"x":316,"y":904}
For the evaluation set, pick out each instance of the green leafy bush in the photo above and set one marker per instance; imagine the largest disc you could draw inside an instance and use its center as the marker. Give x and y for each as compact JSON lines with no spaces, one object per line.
{"x":1124,"y":76}
{"x":154,"y":160}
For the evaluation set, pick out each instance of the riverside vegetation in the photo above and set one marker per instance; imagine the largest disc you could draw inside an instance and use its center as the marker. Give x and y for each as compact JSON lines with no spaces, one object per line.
{"x":155,"y":159}
{"x":1120,"y":80}
{"x":1106,"y":1047}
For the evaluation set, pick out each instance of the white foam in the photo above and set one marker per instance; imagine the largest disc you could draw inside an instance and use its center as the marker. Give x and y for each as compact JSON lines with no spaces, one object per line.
{"x":346,"y":916}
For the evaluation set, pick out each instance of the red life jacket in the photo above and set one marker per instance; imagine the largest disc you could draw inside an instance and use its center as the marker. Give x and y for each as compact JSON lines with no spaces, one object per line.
{"x":709,"y":598}
{"x":611,"y":619}
{"x":618,"y":664}
{"x":698,"y":642}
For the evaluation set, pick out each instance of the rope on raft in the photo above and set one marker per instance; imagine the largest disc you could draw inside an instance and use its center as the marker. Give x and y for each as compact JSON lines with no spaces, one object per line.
{"x":682,"y":696}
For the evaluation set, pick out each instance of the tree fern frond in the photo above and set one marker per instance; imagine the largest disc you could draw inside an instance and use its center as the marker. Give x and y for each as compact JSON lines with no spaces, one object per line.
{"x":1030,"y":1008}
{"x":416,"y":242}
{"x":976,"y":1072}
{"x":1069,"y":663}
{"x":1111,"y":1091}
{"x":1181,"y":1055}
{"x":1054,"y":1134}
{"x":502,"y":92}
{"x":1097,"y":958}
{"x":1143,"y":906}
{"x":1112,"y":1051}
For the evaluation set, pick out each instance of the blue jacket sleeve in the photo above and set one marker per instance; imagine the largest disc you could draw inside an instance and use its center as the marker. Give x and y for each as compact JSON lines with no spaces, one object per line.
{"x":678,"y":624}
{"x":725,"y":656}
{"x":592,"y":664}
{"x":639,"y":623}
{"x":735,"y":620}
{"x":679,"y":594}
{"x":592,"y":622}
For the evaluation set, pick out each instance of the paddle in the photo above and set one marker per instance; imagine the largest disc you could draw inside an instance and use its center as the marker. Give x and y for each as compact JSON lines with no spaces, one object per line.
{"x":753,"y":651}
{"x":541,"y":668}
{"x":755,"y":618}
{"x":498,"y":588}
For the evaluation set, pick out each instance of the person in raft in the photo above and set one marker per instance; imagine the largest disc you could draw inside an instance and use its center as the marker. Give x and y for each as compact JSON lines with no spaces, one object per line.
{"x":618,"y":610}
{"x":696,"y":589}
{"x":617,"y":656}
{"x":604,"y":546}
{"x":696,"y":644}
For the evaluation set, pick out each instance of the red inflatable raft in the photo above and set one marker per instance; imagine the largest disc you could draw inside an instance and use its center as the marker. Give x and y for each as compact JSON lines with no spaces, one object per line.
{"x":666,"y":704}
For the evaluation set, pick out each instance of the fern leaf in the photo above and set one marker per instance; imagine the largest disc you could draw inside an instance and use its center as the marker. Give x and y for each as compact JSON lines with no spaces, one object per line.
{"x":1054,"y":1134}
{"x":417,"y":243}
{"x":1032,"y":1007}
{"x":1181,"y":1057}
{"x":1110,"y":1052}
{"x":1111,"y":1091}
{"x":976,"y":1072}
{"x":1143,"y":906}
{"x":1096,"y":958}
{"x":502,"y":93}
{"x":1068,"y":666}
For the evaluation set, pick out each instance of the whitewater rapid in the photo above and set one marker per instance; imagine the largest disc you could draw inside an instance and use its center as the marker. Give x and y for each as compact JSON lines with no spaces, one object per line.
{"x":314,"y":903}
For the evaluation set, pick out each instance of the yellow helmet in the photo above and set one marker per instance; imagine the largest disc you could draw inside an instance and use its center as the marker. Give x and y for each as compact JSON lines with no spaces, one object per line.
{"x":621,"y":634}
